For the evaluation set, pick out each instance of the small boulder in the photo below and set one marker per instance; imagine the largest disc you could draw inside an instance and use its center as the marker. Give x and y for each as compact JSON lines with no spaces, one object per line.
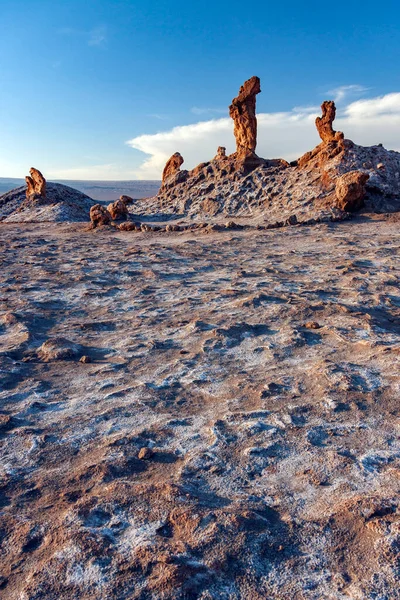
{"x":99,"y":215}
{"x":127,"y":226}
{"x":58,"y":348}
{"x":118,"y":210}
{"x":350,"y":190}
{"x":145,"y":453}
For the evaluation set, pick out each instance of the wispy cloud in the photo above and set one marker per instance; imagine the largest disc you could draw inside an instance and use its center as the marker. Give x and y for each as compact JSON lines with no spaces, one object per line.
{"x":158,"y":116}
{"x":345,"y":91}
{"x":97,"y":36}
{"x":280,"y":135}
{"x":196,"y":110}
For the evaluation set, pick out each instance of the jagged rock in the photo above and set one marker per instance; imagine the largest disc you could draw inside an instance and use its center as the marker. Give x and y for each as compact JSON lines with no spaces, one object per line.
{"x":118,"y":210}
{"x":172,"y":166}
{"x":99,"y":215}
{"x":36,"y":185}
{"x":324,"y":123}
{"x":243,"y":112}
{"x":221,"y":153}
{"x":350,"y":190}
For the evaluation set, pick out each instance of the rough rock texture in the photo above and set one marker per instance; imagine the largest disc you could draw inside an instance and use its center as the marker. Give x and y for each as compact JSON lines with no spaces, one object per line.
{"x":62,"y":203}
{"x":99,"y":215}
{"x":324,"y":123}
{"x":275,"y":193}
{"x":36,"y":185}
{"x":275,"y":467}
{"x":350,"y":190}
{"x":221,"y":153}
{"x":273,"y":190}
{"x":58,"y":348}
{"x":243,"y":112}
{"x":118,"y":210}
{"x":172,"y":166}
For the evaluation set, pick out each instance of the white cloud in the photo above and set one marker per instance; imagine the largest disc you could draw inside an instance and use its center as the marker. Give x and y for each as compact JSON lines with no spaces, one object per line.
{"x":344,"y":91}
{"x":280,"y":135}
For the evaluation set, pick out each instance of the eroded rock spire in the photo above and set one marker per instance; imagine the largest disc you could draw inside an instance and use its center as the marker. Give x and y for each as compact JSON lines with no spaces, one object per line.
{"x":36,"y":184}
{"x":324,"y":123}
{"x":243,"y":112}
{"x":172,"y":166}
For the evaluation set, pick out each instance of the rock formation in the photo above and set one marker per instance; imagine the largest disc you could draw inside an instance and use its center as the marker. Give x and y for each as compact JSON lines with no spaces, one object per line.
{"x":99,"y":215}
{"x":350,"y":190}
{"x":324,"y":123}
{"x":118,"y":210}
{"x":243,"y":112}
{"x":172,"y":166}
{"x":221,"y":153}
{"x":36,"y":185}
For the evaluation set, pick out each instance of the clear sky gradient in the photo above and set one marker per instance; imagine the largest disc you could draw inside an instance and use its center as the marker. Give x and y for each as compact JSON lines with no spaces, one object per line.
{"x":78,"y":79}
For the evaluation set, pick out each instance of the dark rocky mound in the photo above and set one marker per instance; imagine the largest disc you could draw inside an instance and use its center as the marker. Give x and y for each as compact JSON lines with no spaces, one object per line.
{"x":62,"y":203}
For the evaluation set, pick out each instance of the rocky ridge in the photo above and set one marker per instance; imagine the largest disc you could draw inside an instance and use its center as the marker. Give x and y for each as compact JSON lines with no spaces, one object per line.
{"x":61,"y":203}
{"x":246,"y":185}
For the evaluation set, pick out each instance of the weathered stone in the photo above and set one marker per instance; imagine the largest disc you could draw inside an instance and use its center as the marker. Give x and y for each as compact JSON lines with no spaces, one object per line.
{"x":350,"y":190}
{"x":36,"y":185}
{"x":118,"y":210}
{"x":243,"y":112}
{"x":99,"y":215}
{"x":221,"y":153}
{"x":58,"y":348}
{"x":145,"y":453}
{"x":172,"y":166}
{"x":127,"y":226}
{"x":324,"y":123}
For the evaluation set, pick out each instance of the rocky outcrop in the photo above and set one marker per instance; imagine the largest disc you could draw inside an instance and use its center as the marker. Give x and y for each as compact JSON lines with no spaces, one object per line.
{"x":324,"y":123}
{"x":350,"y":190}
{"x":118,"y":210}
{"x":61,"y":204}
{"x":333,"y":142}
{"x":99,"y":215}
{"x":172,"y":166}
{"x":221,"y":153}
{"x":243,"y":112}
{"x":36,"y":185}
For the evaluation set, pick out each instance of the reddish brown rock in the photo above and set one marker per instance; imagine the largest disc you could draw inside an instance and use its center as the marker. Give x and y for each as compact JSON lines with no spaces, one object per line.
{"x":118,"y":210}
{"x":350,"y":190}
{"x":172,"y":166}
{"x":127,"y":226}
{"x":221,"y":153}
{"x":99,"y":215}
{"x":243,"y":112}
{"x":36,"y":184}
{"x":324,"y":123}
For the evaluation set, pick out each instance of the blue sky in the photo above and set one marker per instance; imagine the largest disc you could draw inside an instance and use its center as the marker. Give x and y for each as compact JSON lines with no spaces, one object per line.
{"x":79,"y":79}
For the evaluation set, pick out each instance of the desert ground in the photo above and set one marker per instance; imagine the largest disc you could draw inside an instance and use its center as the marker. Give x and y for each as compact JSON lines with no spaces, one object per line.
{"x":200,"y":415}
